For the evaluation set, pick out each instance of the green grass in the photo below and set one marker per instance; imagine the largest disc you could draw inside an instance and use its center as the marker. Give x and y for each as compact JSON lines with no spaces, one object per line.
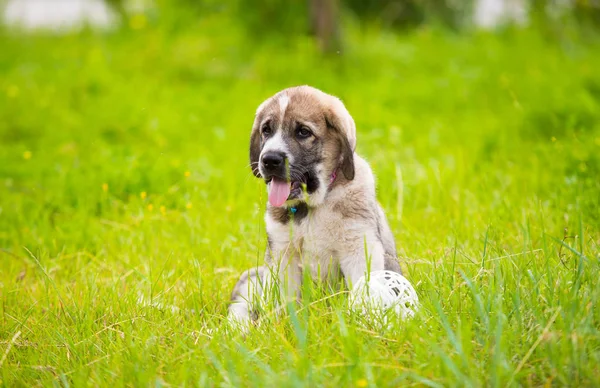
{"x":128,"y":209}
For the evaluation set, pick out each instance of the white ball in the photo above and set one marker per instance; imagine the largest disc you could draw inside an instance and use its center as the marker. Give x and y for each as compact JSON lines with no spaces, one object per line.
{"x":382,"y":291}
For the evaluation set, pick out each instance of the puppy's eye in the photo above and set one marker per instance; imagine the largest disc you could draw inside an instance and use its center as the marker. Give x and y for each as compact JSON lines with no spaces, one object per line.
{"x":303,"y":132}
{"x":266,"y":129}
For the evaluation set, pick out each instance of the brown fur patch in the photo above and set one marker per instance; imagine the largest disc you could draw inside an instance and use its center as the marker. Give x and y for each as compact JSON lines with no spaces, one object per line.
{"x":279,"y":214}
{"x":283,"y":215}
{"x":354,"y":207}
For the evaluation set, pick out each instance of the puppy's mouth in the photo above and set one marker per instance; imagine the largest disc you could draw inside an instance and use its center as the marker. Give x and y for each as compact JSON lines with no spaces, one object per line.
{"x":282,"y":190}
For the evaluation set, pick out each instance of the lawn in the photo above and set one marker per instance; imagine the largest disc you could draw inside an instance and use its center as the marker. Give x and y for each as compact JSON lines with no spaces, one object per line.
{"x":128,"y":208}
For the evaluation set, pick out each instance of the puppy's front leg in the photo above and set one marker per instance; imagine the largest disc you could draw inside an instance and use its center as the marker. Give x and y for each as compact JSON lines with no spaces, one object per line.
{"x":285,"y":263}
{"x":364,"y":254}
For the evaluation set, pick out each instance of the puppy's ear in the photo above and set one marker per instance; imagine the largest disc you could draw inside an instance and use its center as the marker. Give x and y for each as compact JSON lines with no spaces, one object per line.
{"x":255,"y":139}
{"x":339,"y":120}
{"x":347,"y":165}
{"x":255,"y":150}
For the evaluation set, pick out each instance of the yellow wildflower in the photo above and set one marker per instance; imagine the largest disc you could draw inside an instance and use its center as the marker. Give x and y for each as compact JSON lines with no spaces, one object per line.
{"x":362,"y":383}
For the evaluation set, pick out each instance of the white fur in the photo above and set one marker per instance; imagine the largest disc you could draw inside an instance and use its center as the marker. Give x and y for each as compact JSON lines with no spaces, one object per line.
{"x":283,"y":100}
{"x":325,"y":237}
{"x":321,"y":243}
{"x":277,"y":144}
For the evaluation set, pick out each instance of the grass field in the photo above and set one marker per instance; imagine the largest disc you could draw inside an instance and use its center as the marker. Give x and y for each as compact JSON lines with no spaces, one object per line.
{"x":128,"y":209}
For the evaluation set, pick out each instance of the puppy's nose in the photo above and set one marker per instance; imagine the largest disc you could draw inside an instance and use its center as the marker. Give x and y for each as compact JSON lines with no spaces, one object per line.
{"x":273,"y":160}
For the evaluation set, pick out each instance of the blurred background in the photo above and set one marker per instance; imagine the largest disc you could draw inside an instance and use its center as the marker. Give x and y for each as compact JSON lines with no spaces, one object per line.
{"x":90,"y":84}
{"x":103,"y":100}
{"x":323,"y":19}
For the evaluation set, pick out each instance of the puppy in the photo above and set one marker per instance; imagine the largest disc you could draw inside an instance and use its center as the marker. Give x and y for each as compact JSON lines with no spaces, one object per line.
{"x":322,"y":213}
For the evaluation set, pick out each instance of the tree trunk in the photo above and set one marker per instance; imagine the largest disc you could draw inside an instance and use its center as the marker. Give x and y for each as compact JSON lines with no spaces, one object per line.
{"x":324,"y":17}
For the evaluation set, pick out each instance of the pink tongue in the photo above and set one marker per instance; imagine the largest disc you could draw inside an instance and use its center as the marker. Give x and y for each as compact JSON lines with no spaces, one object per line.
{"x":279,"y":191}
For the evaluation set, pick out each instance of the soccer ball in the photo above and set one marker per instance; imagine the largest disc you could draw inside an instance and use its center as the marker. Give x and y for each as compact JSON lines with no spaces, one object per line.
{"x":379,"y":293}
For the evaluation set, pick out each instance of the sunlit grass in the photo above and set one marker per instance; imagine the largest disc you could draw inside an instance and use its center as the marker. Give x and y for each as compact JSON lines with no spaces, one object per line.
{"x":128,"y":209}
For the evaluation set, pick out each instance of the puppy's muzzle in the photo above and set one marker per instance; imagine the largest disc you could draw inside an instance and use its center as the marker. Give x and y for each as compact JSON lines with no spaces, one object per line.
{"x":273,"y":163}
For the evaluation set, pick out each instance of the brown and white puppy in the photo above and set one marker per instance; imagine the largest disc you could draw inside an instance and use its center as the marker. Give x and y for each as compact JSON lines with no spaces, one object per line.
{"x":322,"y":214}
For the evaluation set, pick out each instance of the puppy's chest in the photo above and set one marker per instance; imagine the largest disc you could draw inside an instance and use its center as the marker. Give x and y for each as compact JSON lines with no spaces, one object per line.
{"x":317,"y":241}
{"x":316,"y":236}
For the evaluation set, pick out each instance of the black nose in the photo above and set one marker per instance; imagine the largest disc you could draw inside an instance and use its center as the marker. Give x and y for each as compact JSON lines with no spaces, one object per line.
{"x":273,"y":160}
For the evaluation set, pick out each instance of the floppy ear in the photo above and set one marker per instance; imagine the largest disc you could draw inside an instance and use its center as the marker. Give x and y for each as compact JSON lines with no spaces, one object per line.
{"x":255,"y":150}
{"x":255,"y":139}
{"x":347,"y":165}
{"x":339,"y":120}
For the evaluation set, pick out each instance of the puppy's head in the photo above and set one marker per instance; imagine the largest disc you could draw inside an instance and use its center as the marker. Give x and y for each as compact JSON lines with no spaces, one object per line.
{"x":301,"y":141}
